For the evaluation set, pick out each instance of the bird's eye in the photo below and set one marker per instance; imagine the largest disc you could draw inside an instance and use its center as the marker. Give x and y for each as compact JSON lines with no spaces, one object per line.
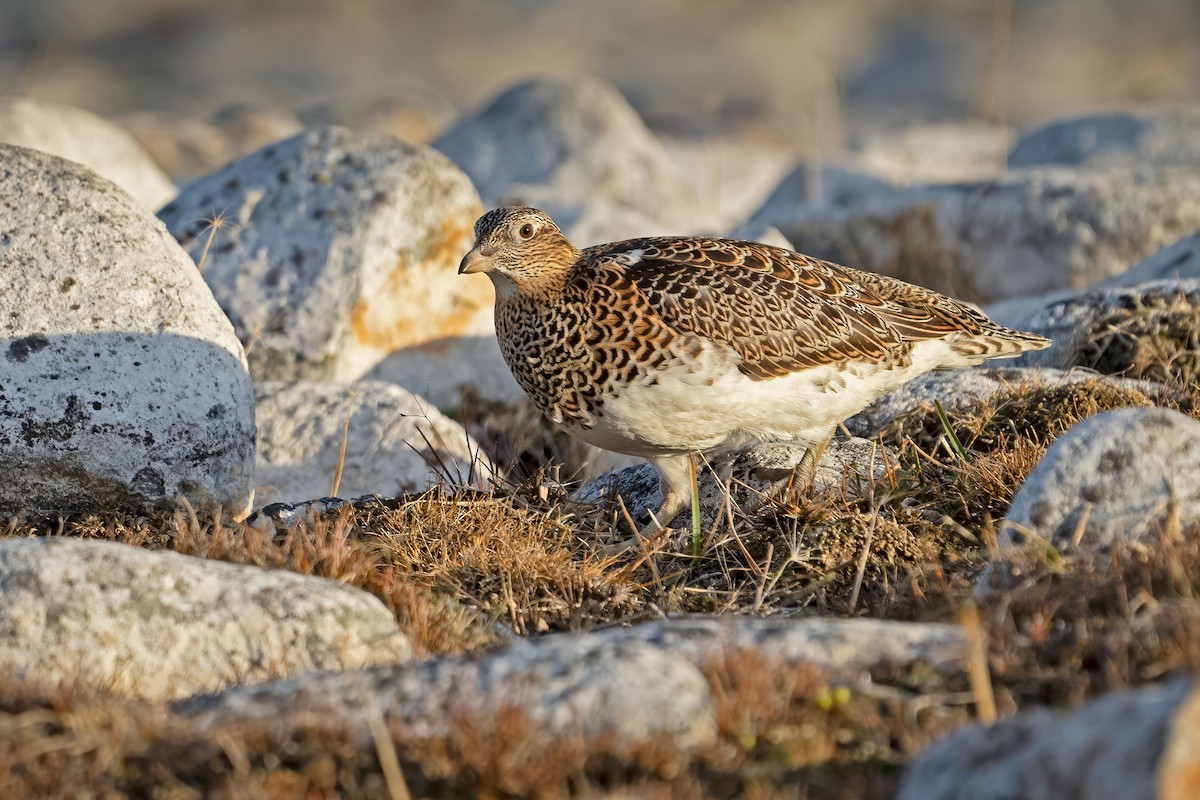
{"x":526,"y":231}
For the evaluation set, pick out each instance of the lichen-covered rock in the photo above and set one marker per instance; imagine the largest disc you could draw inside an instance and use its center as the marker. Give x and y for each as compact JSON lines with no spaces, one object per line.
{"x":842,"y":646}
{"x":395,"y":441}
{"x":1149,"y":330}
{"x":1166,"y":136}
{"x":338,"y":249}
{"x":577,"y":136}
{"x":1109,"y":748}
{"x":78,"y":135}
{"x":162,"y":626}
{"x":958,"y":390}
{"x":1023,"y":233}
{"x":611,"y":694}
{"x":1113,"y":476}
{"x":121,"y":383}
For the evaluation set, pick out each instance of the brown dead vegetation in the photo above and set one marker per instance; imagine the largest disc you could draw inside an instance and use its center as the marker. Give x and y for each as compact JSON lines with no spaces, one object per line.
{"x":456,"y":566}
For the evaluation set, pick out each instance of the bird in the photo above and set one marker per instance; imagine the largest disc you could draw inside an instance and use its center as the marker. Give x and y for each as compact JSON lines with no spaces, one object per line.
{"x":672,"y":347}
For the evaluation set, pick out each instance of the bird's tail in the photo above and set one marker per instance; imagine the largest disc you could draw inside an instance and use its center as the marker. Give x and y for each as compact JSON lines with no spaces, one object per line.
{"x":998,"y":342}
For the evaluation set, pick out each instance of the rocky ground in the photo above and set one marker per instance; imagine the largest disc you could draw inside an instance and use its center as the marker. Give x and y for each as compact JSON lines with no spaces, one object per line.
{"x":990,"y":592}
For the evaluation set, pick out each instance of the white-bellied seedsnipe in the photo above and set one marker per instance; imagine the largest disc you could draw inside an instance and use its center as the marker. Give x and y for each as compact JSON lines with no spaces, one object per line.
{"x":669,"y":346}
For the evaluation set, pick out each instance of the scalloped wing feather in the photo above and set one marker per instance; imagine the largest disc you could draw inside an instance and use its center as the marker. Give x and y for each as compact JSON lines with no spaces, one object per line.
{"x":783,"y":312}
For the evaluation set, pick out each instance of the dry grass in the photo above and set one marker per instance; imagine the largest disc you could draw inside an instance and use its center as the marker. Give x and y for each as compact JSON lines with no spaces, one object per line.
{"x":1156,"y":337}
{"x":456,"y":567}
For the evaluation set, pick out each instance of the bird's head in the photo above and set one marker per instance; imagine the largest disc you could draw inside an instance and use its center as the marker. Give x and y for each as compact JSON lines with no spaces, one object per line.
{"x":518,"y":248}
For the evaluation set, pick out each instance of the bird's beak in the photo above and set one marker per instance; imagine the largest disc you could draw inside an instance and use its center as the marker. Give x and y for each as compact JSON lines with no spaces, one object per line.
{"x":473,"y":261}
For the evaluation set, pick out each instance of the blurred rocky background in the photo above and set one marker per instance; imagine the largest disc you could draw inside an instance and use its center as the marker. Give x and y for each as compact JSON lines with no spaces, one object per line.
{"x":211,"y":78}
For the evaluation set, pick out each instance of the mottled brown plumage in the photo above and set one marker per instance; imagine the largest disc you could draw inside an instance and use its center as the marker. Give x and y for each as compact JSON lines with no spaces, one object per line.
{"x":754,"y":342}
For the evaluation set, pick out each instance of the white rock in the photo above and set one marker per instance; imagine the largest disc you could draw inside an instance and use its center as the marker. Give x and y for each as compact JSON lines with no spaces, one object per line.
{"x":1177,"y":261}
{"x":880,"y":163}
{"x":184,"y":146}
{"x":579,"y":137}
{"x":158,"y":625}
{"x":340,"y":248}
{"x":835,"y":180}
{"x":1108,"y":748}
{"x":620,"y":694}
{"x":733,"y":177}
{"x":1112,"y":476}
{"x":75,"y":134}
{"x":1023,"y":233}
{"x":440,"y":370}
{"x":596,"y":221}
{"x":933,"y":152}
{"x":1165,"y":136}
{"x":121,"y":383}
{"x":758,"y":232}
{"x":396,"y":442}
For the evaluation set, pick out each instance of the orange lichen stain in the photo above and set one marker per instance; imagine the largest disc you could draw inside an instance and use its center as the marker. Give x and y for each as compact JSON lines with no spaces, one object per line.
{"x":409,"y":281}
{"x":452,"y":239}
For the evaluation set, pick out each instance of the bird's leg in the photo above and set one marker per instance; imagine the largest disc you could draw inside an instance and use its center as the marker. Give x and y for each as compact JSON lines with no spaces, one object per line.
{"x":804,"y":474}
{"x":676,"y":482}
{"x":676,"y":485}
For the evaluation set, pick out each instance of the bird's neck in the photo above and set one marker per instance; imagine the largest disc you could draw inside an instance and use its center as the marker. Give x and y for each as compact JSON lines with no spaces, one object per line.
{"x":546,"y":287}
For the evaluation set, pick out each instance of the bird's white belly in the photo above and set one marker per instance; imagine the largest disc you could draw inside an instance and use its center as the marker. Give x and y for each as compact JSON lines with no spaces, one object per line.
{"x":709,"y":405}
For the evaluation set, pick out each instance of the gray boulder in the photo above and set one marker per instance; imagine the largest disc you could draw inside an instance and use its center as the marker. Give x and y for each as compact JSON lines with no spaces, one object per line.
{"x":121,"y":383}
{"x":1108,"y":748}
{"x":579,"y":138}
{"x":620,"y":694}
{"x":1112,"y":476}
{"x":78,"y":135}
{"x":1160,"y":137}
{"x":338,"y":249}
{"x":161,"y":626}
{"x":1023,"y":233}
{"x":395,"y":442}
